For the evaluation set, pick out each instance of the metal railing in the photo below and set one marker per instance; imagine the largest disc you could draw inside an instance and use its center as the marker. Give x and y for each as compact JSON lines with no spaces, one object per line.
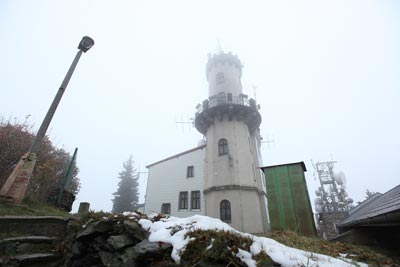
{"x":224,"y":99}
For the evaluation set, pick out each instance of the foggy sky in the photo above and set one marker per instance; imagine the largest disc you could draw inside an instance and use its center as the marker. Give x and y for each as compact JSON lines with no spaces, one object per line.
{"x":326,"y":75}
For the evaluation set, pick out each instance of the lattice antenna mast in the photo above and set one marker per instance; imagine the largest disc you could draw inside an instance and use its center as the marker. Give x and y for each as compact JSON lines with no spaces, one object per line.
{"x":331,"y":195}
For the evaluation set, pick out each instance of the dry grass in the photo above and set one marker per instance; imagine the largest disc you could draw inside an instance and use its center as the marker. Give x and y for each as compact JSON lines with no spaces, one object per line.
{"x":318,"y":245}
{"x":31,"y":208}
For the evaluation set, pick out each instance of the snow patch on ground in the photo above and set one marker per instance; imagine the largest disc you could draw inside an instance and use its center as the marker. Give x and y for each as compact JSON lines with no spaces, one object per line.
{"x":173,"y":230}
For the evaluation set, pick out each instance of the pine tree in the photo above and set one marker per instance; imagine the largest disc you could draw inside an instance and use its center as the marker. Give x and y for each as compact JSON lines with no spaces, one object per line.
{"x":369,"y":194}
{"x":127,"y":196}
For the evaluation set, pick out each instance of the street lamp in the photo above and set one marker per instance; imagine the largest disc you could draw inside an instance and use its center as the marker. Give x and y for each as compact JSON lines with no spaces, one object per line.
{"x":16,"y":184}
{"x":85,"y":44}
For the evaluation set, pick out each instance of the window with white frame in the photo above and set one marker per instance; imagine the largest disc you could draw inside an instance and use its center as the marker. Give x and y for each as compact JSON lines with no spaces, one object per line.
{"x":190,"y":171}
{"x":166,"y":208}
{"x":183,"y":200}
{"x":195,"y":200}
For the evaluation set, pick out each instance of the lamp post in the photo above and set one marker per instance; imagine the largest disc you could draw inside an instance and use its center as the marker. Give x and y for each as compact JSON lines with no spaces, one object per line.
{"x":16,"y":184}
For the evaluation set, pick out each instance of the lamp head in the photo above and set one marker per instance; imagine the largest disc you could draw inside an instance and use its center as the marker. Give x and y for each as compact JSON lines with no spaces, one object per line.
{"x":86,"y":43}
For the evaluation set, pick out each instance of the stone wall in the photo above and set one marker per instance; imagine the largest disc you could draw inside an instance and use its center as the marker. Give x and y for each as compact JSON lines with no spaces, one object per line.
{"x":116,"y":242}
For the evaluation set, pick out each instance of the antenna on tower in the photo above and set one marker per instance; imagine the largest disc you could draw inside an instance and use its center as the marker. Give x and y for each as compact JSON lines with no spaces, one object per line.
{"x":183,"y":123}
{"x":255,"y":95}
{"x":219,"y":47}
{"x":269,"y":141}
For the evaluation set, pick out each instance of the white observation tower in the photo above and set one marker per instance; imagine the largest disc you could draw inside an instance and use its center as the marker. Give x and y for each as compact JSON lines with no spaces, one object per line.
{"x":234,"y":187}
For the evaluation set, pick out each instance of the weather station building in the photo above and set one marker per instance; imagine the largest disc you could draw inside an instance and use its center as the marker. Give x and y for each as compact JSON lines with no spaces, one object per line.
{"x":220,"y":177}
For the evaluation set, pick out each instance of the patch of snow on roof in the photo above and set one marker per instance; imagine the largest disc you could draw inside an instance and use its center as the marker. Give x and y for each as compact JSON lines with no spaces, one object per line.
{"x":173,"y":230}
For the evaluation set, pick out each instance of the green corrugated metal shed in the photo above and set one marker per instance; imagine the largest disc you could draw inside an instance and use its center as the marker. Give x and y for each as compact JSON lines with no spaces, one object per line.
{"x":288,"y":201}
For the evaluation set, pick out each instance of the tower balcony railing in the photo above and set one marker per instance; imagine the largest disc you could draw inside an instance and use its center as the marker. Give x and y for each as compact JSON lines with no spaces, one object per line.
{"x":225,"y":99}
{"x":222,"y":104}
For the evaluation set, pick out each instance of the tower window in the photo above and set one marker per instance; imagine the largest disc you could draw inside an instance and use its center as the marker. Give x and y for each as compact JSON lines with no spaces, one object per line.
{"x":225,"y":210}
{"x":183,"y":200}
{"x":190,"y":171}
{"x":220,"y":78}
{"x":195,"y":200}
{"x":222,"y":147}
{"x":166,"y":208}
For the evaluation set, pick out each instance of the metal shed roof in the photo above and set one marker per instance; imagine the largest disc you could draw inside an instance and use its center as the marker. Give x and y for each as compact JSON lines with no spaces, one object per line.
{"x":379,"y":209}
{"x":279,"y":165}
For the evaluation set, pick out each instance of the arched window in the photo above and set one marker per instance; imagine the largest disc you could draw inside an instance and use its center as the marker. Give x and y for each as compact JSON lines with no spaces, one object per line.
{"x":220,"y":78}
{"x":225,"y":210}
{"x":222,"y":147}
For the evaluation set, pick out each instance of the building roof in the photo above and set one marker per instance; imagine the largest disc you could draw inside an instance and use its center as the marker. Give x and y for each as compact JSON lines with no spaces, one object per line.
{"x":286,"y":164}
{"x":378,"y":209}
{"x":364,"y":203}
{"x":177,"y":155}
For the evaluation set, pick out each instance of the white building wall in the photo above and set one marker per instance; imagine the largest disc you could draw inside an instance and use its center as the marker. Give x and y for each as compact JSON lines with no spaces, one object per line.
{"x":167,"y":178}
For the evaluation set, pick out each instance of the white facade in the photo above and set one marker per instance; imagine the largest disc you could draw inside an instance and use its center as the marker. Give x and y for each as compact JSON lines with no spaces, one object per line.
{"x":168,"y":177}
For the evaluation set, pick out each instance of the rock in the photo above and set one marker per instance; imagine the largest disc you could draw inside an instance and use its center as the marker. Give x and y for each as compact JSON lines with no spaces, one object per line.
{"x":120,"y":241}
{"x":93,"y":228}
{"x":115,"y":242}
{"x":136,"y":230}
{"x":145,"y":250}
{"x":151,"y":249}
{"x":110,"y":259}
{"x":77,"y":248}
{"x":100,"y":242}
{"x":206,"y":263}
{"x":85,"y":260}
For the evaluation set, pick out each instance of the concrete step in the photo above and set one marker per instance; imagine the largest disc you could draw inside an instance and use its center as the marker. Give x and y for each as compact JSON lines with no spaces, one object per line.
{"x":33,"y":225}
{"x":33,"y":260}
{"x":28,"y":245}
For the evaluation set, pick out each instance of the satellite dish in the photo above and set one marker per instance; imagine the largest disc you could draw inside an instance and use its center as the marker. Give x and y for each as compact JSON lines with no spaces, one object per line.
{"x":350,"y":200}
{"x":340,"y":178}
{"x":317,"y":201}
